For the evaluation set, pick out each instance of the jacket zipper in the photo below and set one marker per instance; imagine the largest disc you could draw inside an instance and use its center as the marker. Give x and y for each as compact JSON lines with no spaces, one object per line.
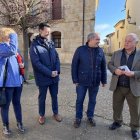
{"x":91,"y":65}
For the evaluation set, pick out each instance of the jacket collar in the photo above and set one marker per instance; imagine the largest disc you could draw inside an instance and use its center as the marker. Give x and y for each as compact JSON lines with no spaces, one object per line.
{"x":43,"y":42}
{"x":95,"y":48}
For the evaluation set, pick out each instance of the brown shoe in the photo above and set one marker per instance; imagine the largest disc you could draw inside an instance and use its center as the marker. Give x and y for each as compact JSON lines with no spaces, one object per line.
{"x":41,"y":120}
{"x":57,"y":117}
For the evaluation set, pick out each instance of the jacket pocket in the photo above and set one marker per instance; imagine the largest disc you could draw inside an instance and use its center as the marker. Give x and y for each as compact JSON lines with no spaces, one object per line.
{"x":98,"y":77}
{"x":113,"y":82}
{"x":83,"y":77}
{"x":99,"y":59}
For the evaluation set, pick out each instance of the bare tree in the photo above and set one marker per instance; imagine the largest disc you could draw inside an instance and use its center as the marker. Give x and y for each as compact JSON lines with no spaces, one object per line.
{"x":24,"y":14}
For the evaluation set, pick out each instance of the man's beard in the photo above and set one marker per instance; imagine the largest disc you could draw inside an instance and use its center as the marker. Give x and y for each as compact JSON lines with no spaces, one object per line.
{"x":46,"y":36}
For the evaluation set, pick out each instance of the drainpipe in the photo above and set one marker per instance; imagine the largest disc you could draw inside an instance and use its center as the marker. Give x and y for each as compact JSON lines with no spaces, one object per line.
{"x":83,"y":28}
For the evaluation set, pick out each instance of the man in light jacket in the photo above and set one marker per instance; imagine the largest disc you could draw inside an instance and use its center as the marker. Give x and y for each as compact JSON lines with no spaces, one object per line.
{"x":125,"y":84}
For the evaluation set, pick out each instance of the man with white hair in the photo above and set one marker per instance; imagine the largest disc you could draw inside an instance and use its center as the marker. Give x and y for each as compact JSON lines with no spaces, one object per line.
{"x":125,"y":84}
{"x":88,"y":71}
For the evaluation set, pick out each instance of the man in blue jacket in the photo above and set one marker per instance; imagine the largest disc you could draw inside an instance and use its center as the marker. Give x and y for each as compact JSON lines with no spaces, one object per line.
{"x":88,"y":70}
{"x":46,"y":67}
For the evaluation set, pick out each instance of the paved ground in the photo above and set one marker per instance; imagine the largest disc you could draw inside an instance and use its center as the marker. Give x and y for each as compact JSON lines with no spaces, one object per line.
{"x":64,"y":130}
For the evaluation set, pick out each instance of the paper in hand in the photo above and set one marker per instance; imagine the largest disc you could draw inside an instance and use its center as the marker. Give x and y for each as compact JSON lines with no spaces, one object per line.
{"x":124,"y":67}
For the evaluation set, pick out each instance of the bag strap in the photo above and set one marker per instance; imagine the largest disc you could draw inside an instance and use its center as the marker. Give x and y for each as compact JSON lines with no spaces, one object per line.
{"x":5,"y":73}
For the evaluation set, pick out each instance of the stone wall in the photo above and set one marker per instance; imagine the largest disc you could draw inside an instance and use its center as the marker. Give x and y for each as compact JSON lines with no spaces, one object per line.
{"x":133,"y":7}
{"x":71,"y":27}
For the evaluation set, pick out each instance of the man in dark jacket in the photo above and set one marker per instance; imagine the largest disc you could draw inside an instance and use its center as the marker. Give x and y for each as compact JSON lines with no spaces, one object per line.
{"x":46,"y":67}
{"x":88,"y":70}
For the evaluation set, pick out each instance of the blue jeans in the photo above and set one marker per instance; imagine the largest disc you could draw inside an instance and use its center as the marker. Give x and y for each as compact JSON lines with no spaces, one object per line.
{"x":81,"y":93}
{"x":53,"y":88}
{"x":12,"y":94}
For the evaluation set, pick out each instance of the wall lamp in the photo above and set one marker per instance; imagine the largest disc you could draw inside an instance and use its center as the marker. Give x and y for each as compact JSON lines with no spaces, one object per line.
{"x":129,"y":19}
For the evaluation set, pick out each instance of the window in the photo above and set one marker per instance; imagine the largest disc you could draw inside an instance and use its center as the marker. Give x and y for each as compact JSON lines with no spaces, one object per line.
{"x":56,"y":37}
{"x":56,"y":9}
{"x":127,"y":14}
{"x":119,"y":45}
{"x":118,"y":34}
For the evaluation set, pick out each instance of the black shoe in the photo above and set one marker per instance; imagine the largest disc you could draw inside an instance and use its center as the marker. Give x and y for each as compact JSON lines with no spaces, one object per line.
{"x":114,"y":126}
{"x":77,"y":123}
{"x":135,"y":134}
{"x":92,"y":122}
{"x":6,"y":130}
{"x":20,"y":127}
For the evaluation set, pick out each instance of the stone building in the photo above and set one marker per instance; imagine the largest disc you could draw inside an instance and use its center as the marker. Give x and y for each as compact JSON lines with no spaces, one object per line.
{"x":132,"y":19}
{"x":109,"y":43}
{"x":71,"y":21}
{"x":119,"y":35}
{"x":131,"y":24}
{"x":115,"y":41}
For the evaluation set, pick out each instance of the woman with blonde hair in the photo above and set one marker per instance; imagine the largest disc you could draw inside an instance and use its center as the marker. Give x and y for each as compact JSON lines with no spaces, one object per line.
{"x":13,"y":84}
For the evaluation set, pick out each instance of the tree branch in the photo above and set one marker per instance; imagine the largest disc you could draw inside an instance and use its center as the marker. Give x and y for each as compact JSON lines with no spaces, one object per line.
{"x":4,"y":14}
{"x":16,"y":3}
{"x":5,"y":4}
{"x":25,"y":5}
{"x":31,"y":3}
{"x":14,"y":11}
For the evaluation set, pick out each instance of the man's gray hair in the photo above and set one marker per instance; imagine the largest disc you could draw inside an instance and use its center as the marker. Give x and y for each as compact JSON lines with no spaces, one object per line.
{"x":134,"y":36}
{"x":91,"y":36}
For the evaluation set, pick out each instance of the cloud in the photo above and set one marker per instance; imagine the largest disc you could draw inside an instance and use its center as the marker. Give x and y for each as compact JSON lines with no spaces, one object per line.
{"x":102,"y":27}
{"x":103,"y":30}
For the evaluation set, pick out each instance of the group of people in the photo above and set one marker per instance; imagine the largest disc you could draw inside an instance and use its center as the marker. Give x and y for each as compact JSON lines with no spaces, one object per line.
{"x":88,"y":71}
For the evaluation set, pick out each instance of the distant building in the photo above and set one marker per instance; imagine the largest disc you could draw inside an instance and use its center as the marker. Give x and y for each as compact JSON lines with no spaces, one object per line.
{"x":131,"y":24}
{"x":109,"y":43}
{"x":115,"y":41}
{"x":132,"y":17}
{"x":119,"y":35}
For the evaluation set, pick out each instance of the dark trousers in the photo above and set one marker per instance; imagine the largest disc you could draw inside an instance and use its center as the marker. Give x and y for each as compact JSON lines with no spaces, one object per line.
{"x":119,"y":95}
{"x":12,"y":94}
{"x":81,"y":93}
{"x":53,"y":88}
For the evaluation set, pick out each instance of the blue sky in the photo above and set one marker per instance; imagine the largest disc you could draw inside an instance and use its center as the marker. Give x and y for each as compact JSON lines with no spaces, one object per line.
{"x":109,"y":12}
